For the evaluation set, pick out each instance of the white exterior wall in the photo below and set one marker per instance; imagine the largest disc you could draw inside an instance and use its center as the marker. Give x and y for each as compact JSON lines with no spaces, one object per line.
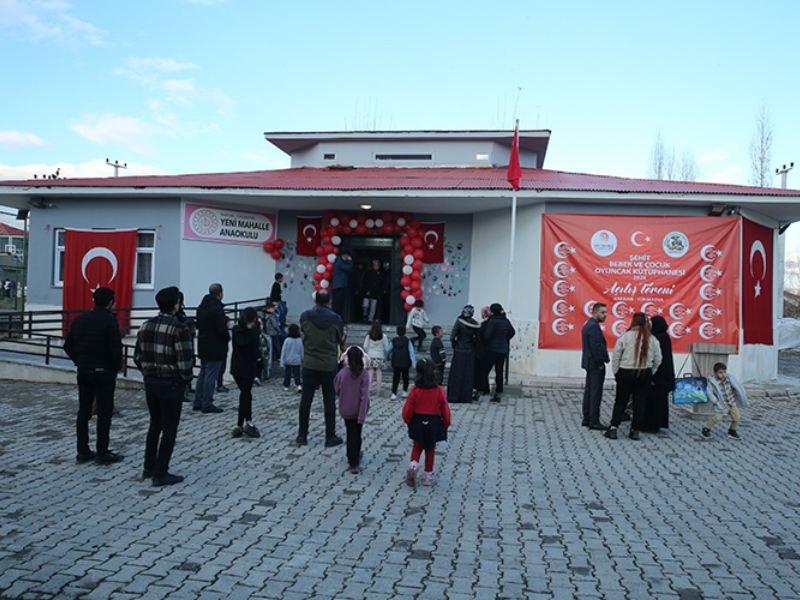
{"x":245,"y":271}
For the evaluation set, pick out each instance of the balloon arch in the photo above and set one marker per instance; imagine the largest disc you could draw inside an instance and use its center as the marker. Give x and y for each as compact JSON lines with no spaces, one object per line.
{"x":336,"y":224}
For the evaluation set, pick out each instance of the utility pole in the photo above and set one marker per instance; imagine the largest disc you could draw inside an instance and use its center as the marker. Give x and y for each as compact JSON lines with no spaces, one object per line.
{"x":783,"y":171}
{"x":117,"y":166}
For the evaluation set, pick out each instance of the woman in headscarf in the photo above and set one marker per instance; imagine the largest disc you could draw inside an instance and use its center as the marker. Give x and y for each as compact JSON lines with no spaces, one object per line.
{"x":482,"y":362}
{"x":656,"y":412}
{"x":462,"y":369}
{"x":636,"y":357}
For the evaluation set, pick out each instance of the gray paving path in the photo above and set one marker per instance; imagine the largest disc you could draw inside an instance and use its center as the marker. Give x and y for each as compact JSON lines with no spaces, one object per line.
{"x":527,"y":505}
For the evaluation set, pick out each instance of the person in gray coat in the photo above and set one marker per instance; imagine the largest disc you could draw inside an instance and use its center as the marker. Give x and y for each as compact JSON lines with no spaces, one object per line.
{"x":594,"y":357}
{"x":728,"y":395}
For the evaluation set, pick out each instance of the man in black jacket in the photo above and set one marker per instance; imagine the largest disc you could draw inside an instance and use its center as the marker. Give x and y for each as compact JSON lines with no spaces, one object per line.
{"x":95,"y":346}
{"x":497,"y":333}
{"x":212,"y":347}
{"x":594,"y":357}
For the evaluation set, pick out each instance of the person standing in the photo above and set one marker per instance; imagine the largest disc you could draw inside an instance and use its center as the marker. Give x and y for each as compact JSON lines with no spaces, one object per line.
{"x":462,"y":369}
{"x":480,"y":384}
{"x":376,"y":345}
{"x":244,"y":368}
{"x":728,"y":395}
{"x":371,"y":288}
{"x":402,"y":358}
{"x":416,"y":320}
{"x":341,"y":280}
{"x":497,"y":334}
{"x":352,"y":386}
{"x":95,"y":346}
{"x":165,"y":356}
{"x":212,"y":347}
{"x":322,"y":331}
{"x":438,"y":354}
{"x":636,"y":357}
{"x":594,"y":356}
{"x":656,"y":412}
{"x":276,"y":296}
{"x":292,"y":357}
{"x":192,"y":325}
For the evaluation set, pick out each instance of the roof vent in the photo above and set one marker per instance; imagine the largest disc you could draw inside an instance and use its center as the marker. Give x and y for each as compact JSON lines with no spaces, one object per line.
{"x":403,"y":157}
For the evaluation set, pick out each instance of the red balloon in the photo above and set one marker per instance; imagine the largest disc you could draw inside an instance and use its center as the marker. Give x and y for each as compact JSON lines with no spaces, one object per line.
{"x":416,"y":242}
{"x":347,"y":229}
{"x":415,"y":287}
{"x":329,"y":267}
{"x":320,"y":251}
{"x":336,"y":250}
{"x":416,"y":276}
{"x":317,"y":276}
{"x":328,"y":248}
{"x":269,"y":246}
{"x":317,"y":286}
{"x":405,"y":281}
{"x":405,"y":240}
{"x":361,"y":229}
{"x":408,"y":249}
{"x":361,"y":219}
{"x":326,"y":239}
{"x":418,"y":253}
{"x":279,"y":243}
{"x":276,"y":254}
{"x":386,"y":229}
{"x":417,"y":265}
{"x":407,"y":307}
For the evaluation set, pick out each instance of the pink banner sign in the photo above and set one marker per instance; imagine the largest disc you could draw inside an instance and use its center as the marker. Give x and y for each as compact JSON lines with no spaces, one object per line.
{"x":227,"y":226}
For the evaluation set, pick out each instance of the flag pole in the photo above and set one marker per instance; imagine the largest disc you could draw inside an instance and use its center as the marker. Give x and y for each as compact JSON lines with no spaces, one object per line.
{"x":511,"y":251}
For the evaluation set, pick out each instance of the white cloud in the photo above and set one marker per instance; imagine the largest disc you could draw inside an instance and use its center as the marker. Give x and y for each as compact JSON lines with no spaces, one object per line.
{"x":49,"y":21}
{"x":91,"y":168}
{"x":111,"y":129}
{"x":21,"y":139}
{"x":714,"y":157}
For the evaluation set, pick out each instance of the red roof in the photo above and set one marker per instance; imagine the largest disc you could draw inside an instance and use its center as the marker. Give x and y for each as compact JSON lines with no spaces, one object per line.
{"x":9,"y":230}
{"x":390,"y":178}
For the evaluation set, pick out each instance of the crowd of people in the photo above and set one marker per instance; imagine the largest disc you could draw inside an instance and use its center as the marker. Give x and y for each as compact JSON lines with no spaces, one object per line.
{"x":314,"y":355}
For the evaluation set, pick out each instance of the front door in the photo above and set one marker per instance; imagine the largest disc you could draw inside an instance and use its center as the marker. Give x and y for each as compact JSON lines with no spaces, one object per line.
{"x":365,"y":250}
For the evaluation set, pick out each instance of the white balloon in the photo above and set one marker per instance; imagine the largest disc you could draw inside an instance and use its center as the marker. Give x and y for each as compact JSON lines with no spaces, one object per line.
{"x":334,"y":221}
{"x":409,"y":259}
{"x":331,"y":257}
{"x":324,"y":283}
{"x":321,"y":269}
{"x":336,"y":240}
{"x":353,"y":223}
{"x":410,"y":299}
{"x":370,"y":223}
{"x":408,"y":270}
{"x":401,"y":221}
{"x":378,"y":222}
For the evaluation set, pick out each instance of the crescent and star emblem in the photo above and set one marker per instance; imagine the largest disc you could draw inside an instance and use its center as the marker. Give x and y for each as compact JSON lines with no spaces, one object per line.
{"x":309,"y":236}
{"x":99,"y":252}
{"x":432,"y":244}
{"x":758,"y":248}
{"x":634,"y":238}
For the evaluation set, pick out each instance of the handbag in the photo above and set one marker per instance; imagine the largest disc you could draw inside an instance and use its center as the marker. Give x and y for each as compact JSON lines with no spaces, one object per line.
{"x":689,"y":389}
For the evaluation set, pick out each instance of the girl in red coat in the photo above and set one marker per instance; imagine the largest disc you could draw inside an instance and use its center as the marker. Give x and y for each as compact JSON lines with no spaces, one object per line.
{"x":427,"y":415}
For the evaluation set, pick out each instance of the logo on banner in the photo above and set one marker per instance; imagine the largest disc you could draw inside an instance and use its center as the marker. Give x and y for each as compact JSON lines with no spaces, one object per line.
{"x":709,"y":311}
{"x":587,"y":308}
{"x":641,"y":238}
{"x":758,"y":248}
{"x":204,"y":222}
{"x":679,"y":311}
{"x":563,"y":250}
{"x":709,"y":292}
{"x":620,"y":309}
{"x":709,"y":253}
{"x":619,"y":327}
{"x":561,"y":326}
{"x":649,"y":308}
{"x":708,"y":331}
{"x":677,"y":330}
{"x":604,"y":242}
{"x":562,"y":308}
{"x":561,"y":288}
{"x":708,"y":273}
{"x":562,"y":269}
{"x":676,"y":244}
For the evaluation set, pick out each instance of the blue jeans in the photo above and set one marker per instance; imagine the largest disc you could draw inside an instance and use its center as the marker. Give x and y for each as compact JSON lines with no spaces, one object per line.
{"x":207,"y":382}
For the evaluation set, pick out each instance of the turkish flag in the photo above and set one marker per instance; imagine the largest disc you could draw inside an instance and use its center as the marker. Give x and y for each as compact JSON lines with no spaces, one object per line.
{"x":308,"y":235}
{"x":757,"y":257}
{"x":95,"y":259}
{"x":432,"y":242}
{"x":514,"y":172}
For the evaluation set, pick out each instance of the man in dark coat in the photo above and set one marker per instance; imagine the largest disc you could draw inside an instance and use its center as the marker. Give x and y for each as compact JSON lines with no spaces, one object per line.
{"x":212,"y":347}
{"x":496,"y":335}
{"x":322,"y":331}
{"x":94,"y":344}
{"x":594,"y":357}
{"x":341,"y":280}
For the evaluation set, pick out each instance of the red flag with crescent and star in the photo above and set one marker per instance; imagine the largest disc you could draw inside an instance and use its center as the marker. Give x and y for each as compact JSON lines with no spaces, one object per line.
{"x":757,"y":257}
{"x":514,"y":173}
{"x":309,"y":231}
{"x":432,"y":242}
{"x":94,"y":259}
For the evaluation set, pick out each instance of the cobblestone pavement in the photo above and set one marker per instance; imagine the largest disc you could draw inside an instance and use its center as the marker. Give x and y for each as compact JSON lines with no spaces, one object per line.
{"x":528,"y":504}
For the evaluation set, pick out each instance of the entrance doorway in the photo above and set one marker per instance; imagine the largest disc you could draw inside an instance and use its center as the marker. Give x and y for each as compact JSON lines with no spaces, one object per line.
{"x":365,"y":250}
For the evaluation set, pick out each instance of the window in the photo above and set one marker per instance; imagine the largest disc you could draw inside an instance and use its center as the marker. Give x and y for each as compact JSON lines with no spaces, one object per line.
{"x":403,"y":157}
{"x":329,"y":156}
{"x":144,"y":274}
{"x":481,"y":156}
{"x":10,"y":249}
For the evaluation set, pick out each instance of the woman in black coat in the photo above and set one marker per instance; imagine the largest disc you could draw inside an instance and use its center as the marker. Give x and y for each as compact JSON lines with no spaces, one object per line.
{"x":245,"y":367}
{"x":482,"y":361}
{"x":497,"y":333}
{"x":656,"y":414}
{"x":462,"y":369}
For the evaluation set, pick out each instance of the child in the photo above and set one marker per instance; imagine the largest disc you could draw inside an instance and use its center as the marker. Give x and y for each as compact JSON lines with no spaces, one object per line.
{"x":402,"y":359}
{"x":272,"y":327}
{"x":292,"y":357}
{"x":376,"y":345}
{"x":417,"y":317}
{"x":438,"y":354}
{"x":276,"y":296}
{"x":244,"y":368}
{"x":728,"y":395}
{"x":352,"y":386}
{"x":427,"y":415}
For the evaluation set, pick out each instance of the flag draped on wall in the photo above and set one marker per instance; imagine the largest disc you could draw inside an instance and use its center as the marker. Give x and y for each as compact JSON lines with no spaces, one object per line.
{"x":433,"y":242}
{"x":757,"y":257}
{"x":308,"y":235}
{"x":95,"y":259}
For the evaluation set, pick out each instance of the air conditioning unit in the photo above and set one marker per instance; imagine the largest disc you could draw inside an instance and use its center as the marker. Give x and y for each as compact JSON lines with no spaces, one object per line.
{"x":11,"y":249}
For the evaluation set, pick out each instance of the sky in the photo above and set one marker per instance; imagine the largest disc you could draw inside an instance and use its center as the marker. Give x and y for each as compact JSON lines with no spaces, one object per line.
{"x":182,"y":86}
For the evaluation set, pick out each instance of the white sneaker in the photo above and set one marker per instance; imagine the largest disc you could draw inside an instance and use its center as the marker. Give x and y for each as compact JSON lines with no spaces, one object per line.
{"x":299,"y":388}
{"x":285,"y":389}
{"x":405,"y":394}
{"x":427,"y":479}
{"x":393,"y":397}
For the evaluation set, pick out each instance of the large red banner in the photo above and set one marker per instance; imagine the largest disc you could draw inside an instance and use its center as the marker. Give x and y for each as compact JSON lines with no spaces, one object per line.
{"x":433,"y":242}
{"x":309,"y":235}
{"x":95,"y":259}
{"x":757,"y":257}
{"x":685,"y":269}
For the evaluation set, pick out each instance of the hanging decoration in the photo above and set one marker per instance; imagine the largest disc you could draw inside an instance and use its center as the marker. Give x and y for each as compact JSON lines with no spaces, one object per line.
{"x":337,"y":224}
{"x":273,"y":248}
